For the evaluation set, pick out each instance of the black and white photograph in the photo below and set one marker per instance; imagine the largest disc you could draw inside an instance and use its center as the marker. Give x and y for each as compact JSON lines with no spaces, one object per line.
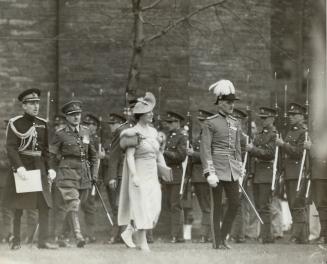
{"x":163,"y":131}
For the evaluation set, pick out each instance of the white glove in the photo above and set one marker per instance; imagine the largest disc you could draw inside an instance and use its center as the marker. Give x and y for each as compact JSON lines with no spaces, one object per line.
{"x":212,"y":179}
{"x":21,"y":172}
{"x":113,"y":184}
{"x":52,"y":174}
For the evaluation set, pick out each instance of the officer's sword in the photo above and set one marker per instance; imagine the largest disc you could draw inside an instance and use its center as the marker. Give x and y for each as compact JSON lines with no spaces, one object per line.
{"x":34,"y":234}
{"x":103,"y":205}
{"x":251,"y":204}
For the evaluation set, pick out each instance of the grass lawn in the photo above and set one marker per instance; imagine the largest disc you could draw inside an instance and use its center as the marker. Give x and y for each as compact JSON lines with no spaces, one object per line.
{"x":166,"y":253}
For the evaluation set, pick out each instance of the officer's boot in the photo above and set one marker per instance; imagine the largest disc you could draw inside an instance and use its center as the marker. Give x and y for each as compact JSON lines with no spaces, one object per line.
{"x":15,"y":242}
{"x":266,"y":233}
{"x":80,"y":242}
{"x":61,"y":240}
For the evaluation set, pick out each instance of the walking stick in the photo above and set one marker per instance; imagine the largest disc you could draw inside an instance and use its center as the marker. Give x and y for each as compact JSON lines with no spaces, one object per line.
{"x":251,"y":204}
{"x":103,"y":205}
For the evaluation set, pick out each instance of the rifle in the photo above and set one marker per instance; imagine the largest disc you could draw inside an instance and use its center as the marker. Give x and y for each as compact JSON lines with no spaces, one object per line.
{"x":187,"y":163}
{"x":246,"y":165}
{"x":99,"y":151}
{"x":276,"y":158}
{"x":307,"y":114}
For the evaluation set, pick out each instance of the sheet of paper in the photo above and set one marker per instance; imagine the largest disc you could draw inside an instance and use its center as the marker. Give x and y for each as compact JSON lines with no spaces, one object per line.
{"x":32,"y":183}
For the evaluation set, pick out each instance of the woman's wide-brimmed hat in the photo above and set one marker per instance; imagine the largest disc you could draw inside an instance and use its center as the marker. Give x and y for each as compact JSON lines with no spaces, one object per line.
{"x":145,"y":104}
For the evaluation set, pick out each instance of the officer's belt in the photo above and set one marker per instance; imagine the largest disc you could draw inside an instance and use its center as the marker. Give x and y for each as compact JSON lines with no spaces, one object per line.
{"x":224,"y":151}
{"x":34,"y":153}
{"x":263,"y":161}
{"x":287,"y":157}
{"x":84,"y":157}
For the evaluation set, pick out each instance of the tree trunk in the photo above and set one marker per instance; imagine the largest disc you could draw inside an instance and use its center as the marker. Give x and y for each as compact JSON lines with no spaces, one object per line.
{"x":134,"y":70}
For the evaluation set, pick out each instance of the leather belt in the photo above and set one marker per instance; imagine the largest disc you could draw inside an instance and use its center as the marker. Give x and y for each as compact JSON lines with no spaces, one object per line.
{"x":224,"y":151}
{"x":34,"y":153}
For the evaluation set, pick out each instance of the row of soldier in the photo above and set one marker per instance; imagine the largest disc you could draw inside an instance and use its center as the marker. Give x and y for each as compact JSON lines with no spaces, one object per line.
{"x":83,"y":146}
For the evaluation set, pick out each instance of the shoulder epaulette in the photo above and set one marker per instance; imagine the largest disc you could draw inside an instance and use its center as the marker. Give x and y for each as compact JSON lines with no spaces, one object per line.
{"x":42,"y":119}
{"x":15,"y":118}
{"x":232,"y":117}
{"x":121,"y":125}
{"x":60,"y":129}
{"x":211,"y":117}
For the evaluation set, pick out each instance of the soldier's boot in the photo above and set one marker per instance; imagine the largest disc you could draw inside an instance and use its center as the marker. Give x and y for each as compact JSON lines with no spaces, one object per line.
{"x":14,"y":244}
{"x":266,"y":233}
{"x":304,"y":235}
{"x":90,"y":234}
{"x":58,"y":230}
{"x":80,"y":242}
{"x":149,"y":236}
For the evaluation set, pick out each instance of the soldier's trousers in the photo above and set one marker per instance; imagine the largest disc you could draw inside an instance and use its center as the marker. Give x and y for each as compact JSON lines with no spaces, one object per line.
{"x":68,"y":200}
{"x":297,"y":205}
{"x":43,"y":221}
{"x":319,"y":193}
{"x":175,"y":209}
{"x":219,"y":233}
{"x":89,"y":209}
{"x":113,"y":197}
{"x":262,"y":199}
{"x":238,"y":227}
{"x":202,"y":192}
{"x":6,"y":216}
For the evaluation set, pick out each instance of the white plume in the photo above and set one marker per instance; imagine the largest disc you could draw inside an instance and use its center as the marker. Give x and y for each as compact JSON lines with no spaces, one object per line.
{"x":222,"y":87}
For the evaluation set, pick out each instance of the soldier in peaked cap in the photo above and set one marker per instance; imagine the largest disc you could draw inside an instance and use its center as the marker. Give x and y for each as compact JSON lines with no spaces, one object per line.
{"x":239,"y":224}
{"x":220,"y":153}
{"x":113,"y":175}
{"x":59,"y":122}
{"x":76,"y":169}
{"x":199,"y":183}
{"x":292,"y":146}
{"x":28,"y":149}
{"x":89,"y":207}
{"x":175,"y":154}
{"x":263,"y":150}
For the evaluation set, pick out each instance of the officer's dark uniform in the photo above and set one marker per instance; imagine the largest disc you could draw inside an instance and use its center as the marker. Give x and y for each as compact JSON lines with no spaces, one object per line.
{"x":175,"y":154}
{"x":115,"y":168}
{"x":293,"y":149}
{"x":5,"y":213}
{"x":220,"y":152}
{"x":318,"y":179}
{"x":76,"y":169}
{"x":200,"y":184}
{"x":90,"y":206}
{"x":239,"y":223}
{"x":264,"y":152}
{"x":27,"y":146}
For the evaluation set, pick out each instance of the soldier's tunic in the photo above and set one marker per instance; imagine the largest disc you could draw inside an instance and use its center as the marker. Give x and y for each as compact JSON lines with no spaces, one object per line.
{"x":5,"y":213}
{"x":220,"y":152}
{"x":319,"y":188}
{"x":77,"y":165}
{"x":33,"y":156}
{"x":76,"y":168}
{"x":201,"y":188}
{"x":175,"y":154}
{"x":114,"y":172}
{"x":293,"y":149}
{"x":90,"y":205}
{"x":264,"y":153}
